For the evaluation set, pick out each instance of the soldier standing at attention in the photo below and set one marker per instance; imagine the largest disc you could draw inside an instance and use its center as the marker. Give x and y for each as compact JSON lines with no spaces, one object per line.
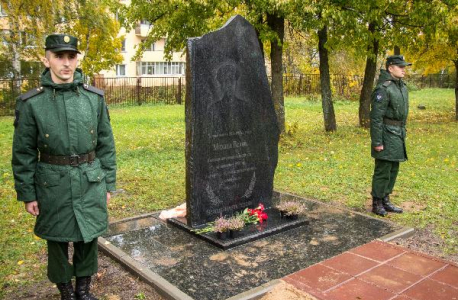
{"x":64,"y":165}
{"x":389,"y":109}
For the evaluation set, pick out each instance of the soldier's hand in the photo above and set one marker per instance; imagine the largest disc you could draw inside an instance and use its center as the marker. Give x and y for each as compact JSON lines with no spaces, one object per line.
{"x":378,"y":148}
{"x":108,"y":198}
{"x":32,"y":208}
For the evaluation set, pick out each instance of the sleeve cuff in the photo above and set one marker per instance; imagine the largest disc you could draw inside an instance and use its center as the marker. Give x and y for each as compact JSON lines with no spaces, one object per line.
{"x":111,"y":187}
{"x":26,"y":197}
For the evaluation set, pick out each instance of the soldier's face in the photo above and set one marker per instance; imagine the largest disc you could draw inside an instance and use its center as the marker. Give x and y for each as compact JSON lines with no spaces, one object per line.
{"x":397,"y":71}
{"x":62,"y":65}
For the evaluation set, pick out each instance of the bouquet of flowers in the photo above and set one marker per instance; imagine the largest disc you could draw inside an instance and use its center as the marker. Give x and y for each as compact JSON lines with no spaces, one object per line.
{"x":253,"y":216}
{"x":237,"y":222}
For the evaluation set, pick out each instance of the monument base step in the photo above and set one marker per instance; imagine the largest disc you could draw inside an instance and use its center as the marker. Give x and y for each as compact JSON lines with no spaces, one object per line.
{"x":273,"y":225}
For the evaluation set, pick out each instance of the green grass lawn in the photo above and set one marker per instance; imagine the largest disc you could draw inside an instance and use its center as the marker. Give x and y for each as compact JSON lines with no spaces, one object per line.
{"x":331,"y":167}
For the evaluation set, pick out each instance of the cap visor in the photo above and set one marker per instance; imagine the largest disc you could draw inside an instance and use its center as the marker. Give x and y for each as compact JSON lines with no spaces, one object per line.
{"x":62,"y":49}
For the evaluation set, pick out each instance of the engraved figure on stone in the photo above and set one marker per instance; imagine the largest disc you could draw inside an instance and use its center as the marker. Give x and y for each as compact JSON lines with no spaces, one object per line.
{"x":232,"y":178}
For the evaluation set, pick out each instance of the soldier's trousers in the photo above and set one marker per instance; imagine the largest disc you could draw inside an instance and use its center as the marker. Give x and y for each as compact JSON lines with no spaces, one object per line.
{"x":384,"y":178}
{"x":84,"y":260}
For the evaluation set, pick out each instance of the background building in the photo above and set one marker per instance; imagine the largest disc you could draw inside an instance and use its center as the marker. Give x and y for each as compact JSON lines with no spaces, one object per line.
{"x":152,"y":62}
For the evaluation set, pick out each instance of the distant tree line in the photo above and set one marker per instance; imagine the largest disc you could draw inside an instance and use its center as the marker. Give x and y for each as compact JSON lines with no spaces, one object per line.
{"x":323,"y":34}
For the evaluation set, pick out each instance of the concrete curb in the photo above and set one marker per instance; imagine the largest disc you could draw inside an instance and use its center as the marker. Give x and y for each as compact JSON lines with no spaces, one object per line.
{"x":257,"y":292}
{"x":164,"y":288}
{"x":401,"y":233}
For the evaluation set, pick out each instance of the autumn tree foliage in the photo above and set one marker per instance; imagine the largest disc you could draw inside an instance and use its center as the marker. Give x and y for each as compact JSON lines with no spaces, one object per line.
{"x":435,"y":48}
{"x":26,"y":23}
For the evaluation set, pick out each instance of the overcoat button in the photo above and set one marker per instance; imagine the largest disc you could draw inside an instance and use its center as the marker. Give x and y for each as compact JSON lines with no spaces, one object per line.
{"x":47,"y":135}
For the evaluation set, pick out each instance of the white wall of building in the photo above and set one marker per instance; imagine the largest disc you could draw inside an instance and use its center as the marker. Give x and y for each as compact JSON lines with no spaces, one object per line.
{"x":152,"y":63}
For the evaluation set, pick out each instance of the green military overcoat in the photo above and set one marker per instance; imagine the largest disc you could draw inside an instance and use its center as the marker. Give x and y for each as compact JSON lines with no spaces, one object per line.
{"x":389,"y":110}
{"x":62,"y":120}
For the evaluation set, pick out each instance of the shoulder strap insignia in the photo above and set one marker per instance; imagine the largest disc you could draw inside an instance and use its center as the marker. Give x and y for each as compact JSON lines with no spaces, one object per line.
{"x":387,"y":83}
{"x":31,"y":93}
{"x":93,"y":89}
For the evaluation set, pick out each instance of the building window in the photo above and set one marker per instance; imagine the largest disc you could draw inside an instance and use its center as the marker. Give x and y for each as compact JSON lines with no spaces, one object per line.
{"x":123,"y":45}
{"x":120,"y":70}
{"x":162,"y":68}
{"x":151,"y":47}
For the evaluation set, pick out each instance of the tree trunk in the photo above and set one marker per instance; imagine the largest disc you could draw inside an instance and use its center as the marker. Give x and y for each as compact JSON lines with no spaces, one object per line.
{"x":277,"y":24}
{"x":456,"y":90}
{"x":325,"y":80}
{"x":397,"y":50}
{"x":14,"y":44}
{"x":368,"y":83}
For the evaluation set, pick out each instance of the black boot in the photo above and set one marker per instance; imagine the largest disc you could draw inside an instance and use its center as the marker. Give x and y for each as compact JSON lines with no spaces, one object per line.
{"x":389,"y":206}
{"x":66,"y":291}
{"x":83,"y":285}
{"x":377,"y":207}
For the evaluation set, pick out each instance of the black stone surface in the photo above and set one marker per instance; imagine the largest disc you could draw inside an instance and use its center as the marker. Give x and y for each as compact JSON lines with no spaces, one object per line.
{"x":274,"y":225}
{"x":204,"y":271}
{"x":231,"y":127}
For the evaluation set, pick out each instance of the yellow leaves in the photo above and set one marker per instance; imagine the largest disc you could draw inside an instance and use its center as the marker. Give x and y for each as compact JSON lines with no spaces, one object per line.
{"x":20,"y":262}
{"x":36,"y":237}
{"x":298,"y":165}
{"x":5,"y":175}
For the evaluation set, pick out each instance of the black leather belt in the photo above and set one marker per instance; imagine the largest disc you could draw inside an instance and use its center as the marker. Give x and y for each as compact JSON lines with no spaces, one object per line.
{"x":71,"y":160}
{"x":392,"y":122}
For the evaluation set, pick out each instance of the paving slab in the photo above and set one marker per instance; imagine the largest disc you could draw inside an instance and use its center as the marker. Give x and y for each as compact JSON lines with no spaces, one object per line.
{"x":394,"y":273}
{"x":195,"y":269}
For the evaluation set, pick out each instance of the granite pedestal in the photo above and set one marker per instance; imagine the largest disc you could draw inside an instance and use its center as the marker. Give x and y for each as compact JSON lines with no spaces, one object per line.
{"x":274,"y":225}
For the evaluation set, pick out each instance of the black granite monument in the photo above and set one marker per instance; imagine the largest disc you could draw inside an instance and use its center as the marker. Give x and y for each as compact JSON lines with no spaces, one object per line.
{"x":231,"y":127}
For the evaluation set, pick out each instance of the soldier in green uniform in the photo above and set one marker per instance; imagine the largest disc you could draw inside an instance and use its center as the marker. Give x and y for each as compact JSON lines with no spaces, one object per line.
{"x":389,"y":110}
{"x":64,"y":165}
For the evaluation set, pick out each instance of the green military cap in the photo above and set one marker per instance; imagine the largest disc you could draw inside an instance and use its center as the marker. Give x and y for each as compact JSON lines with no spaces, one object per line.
{"x":397,"y":60}
{"x":61,"y":42}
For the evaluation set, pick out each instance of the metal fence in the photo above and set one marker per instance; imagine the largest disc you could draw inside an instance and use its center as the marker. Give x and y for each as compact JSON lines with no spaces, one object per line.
{"x":141,"y":90}
{"x":446,"y":81}
{"x":171,"y":90}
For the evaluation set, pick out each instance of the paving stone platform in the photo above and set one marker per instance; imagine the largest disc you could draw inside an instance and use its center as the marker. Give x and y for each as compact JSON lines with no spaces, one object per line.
{"x":379,"y":271}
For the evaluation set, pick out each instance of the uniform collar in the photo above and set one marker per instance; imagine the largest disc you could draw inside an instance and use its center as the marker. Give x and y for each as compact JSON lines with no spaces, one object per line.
{"x":46,"y":80}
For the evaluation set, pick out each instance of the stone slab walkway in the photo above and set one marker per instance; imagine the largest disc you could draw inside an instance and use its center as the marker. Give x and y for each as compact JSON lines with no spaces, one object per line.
{"x":379,"y":271}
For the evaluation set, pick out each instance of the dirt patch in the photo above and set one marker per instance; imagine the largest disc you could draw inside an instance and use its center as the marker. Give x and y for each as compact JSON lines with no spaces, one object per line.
{"x":112,"y":282}
{"x":425,"y":241}
{"x":412,"y":206}
{"x":285,"y":291}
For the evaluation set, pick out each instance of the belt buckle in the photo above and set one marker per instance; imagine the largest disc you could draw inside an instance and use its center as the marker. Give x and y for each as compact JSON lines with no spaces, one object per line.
{"x":74,"y":160}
